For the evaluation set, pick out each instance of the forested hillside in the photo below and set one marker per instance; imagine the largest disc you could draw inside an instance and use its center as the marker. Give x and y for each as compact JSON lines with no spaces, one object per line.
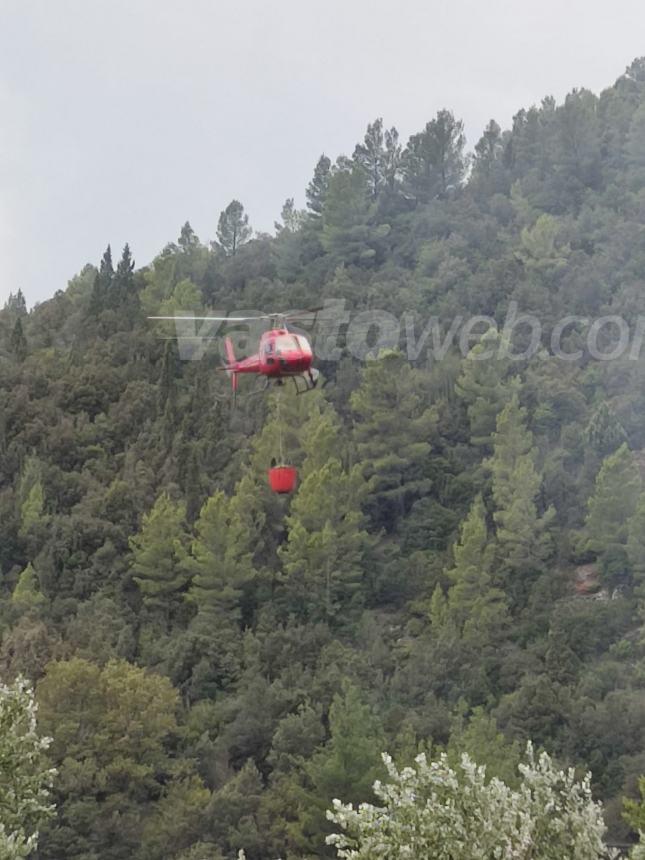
{"x":462,"y":566}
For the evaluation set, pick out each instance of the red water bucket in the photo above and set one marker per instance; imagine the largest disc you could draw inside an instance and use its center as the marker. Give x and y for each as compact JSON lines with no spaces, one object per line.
{"x":282,"y":479}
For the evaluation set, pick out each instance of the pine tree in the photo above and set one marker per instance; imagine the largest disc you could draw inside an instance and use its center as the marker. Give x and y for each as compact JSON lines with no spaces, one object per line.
{"x":233,"y":228}
{"x":636,"y":144}
{"x":3,"y":425}
{"x":613,"y":502}
{"x":577,"y":155}
{"x":192,"y":484}
{"x":233,"y":816}
{"x":522,"y":532}
{"x":475,"y":606}
{"x":220,"y":559}
{"x":16,"y":304}
{"x":604,"y":432}
{"x":348,"y":234}
{"x":317,"y":189}
{"x":433,"y":160}
{"x":321,"y":439}
{"x":488,"y":148}
{"x":121,"y":295}
{"x":392,"y":431}
{"x":392,"y":161}
{"x":281,"y":437}
{"x":370,"y":156}
{"x":31,"y":495}
{"x":167,"y":402}
{"x":326,"y":554}
{"x":26,"y":595}
{"x":485,"y":387}
{"x":489,"y":174}
{"x":158,"y":553}
{"x":221,"y":573}
{"x":18,"y":342}
{"x":438,"y":612}
{"x":346,"y":766}
{"x":188,"y":239}
{"x":634,"y":812}
{"x":247,"y":506}
{"x":99,"y":299}
{"x":379,"y":157}
{"x":292,"y":218}
{"x":540,"y":250}
{"x":636,"y":545}
{"x":480,"y":732}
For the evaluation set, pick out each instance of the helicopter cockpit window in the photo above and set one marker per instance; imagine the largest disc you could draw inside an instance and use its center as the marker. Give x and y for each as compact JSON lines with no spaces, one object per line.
{"x":285,"y":343}
{"x":303,"y":345}
{"x":268,"y":347}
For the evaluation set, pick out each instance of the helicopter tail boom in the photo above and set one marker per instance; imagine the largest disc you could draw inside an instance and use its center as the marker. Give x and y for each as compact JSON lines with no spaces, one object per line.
{"x":231,"y":361}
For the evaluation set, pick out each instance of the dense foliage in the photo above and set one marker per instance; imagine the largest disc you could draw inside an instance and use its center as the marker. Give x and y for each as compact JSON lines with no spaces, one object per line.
{"x":25,"y":777}
{"x":463,"y":563}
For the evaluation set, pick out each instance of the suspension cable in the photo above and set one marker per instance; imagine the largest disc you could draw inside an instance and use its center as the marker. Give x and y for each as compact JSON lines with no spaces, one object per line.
{"x":279,"y":426}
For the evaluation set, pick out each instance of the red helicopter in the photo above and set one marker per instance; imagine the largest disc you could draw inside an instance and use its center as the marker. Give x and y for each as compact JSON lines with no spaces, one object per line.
{"x":282,"y":354}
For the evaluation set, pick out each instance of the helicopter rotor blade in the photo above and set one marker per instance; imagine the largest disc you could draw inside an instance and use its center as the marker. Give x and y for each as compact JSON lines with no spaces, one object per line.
{"x":213,"y":319}
{"x":286,"y":316}
{"x":303,"y":313}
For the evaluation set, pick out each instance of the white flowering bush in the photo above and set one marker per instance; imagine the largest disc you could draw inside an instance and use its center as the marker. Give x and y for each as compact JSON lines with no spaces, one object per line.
{"x":432,"y":812}
{"x":25,"y":779}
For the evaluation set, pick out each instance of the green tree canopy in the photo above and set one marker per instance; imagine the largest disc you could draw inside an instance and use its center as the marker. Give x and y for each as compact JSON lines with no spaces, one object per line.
{"x":522,"y":531}
{"x":115,"y":728}
{"x":393,"y":428}
{"x":433,"y":160}
{"x":613,"y":502}
{"x":345,"y":766}
{"x":158,"y":551}
{"x":233,"y":228}
{"x":475,"y":605}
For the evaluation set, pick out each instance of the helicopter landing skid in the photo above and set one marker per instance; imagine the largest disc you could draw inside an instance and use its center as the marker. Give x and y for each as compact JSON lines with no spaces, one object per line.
{"x":303,"y":383}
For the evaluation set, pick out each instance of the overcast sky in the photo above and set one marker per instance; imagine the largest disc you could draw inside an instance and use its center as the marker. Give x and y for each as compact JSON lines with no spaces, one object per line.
{"x":121,"y":119}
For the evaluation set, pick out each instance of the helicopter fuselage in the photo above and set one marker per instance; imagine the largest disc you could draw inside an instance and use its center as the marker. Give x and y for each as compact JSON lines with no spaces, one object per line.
{"x":280,"y":353}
